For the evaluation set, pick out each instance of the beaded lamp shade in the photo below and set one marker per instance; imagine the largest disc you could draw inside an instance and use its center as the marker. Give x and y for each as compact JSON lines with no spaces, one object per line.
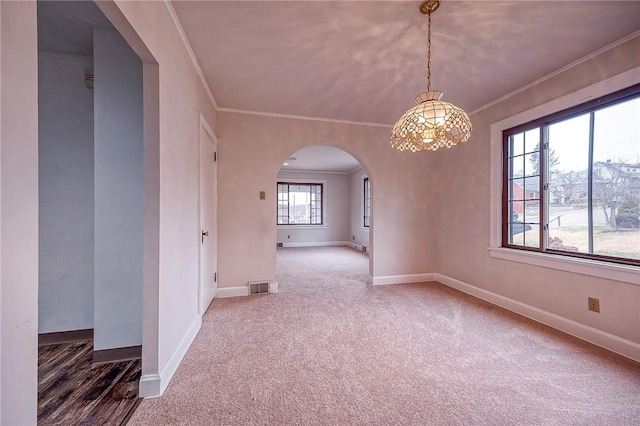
{"x":431,"y":124}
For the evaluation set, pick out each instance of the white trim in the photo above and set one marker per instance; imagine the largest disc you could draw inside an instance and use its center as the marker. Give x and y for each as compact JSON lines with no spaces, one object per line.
{"x":402,"y":279}
{"x":325,"y":190}
{"x":204,"y":124}
{"x":149,"y":386}
{"x":558,"y":71}
{"x":319,"y":244}
{"x":302,"y":117}
{"x":301,"y":226}
{"x":152,"y":385}
{"x":592,"y":268}
{"x":600,"y":338}
{"x":238,"y":291}
{"x":286,"y":169}
{"x":192,"y":55}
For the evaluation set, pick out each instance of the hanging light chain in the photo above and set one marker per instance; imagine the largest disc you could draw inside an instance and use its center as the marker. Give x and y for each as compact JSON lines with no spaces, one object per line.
{"x":429,"y":53}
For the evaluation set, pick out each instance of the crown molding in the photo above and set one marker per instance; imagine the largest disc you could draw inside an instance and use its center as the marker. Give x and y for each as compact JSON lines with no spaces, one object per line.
{"x":192,"y":55}
{"x":558,"y":71}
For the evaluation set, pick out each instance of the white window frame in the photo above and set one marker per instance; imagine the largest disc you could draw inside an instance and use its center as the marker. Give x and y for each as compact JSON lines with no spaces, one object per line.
{"x":323,"y":182}
{"x":590,"y":267}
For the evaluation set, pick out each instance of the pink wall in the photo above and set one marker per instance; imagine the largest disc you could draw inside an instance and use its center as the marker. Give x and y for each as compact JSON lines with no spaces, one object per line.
{"x":252,"y":149}
{"x":464,"y":216}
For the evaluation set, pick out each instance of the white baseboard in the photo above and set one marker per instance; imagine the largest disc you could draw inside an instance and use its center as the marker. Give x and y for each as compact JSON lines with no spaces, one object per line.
{"x":238,"y":291}
{"x":402,"y":279}
{"x":152,"y":385}
{"x":318,"y":244}
{"x":600,"y":338}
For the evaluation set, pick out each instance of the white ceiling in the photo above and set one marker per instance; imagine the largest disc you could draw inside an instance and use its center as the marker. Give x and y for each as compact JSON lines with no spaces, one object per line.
{"x":365,"y":61}
{"x":67,"y":26}
{"x":321,"y":158}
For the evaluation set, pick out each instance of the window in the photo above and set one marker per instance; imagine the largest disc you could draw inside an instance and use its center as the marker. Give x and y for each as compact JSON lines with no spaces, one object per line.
{"x":366,"y":202}
{"x":299,"y":204}
{"x":571,"y":181}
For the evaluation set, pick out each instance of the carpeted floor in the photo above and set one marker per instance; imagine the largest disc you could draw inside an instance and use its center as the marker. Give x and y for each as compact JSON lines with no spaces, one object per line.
{"x":331,"y":350}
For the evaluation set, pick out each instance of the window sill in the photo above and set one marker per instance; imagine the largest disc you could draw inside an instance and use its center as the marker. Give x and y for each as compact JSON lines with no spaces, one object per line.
{"x":302,"y":227}
{"x":593,"y":268}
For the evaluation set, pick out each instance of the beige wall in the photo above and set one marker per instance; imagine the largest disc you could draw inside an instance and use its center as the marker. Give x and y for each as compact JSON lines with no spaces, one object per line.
{"x":18,"y":213}
{"x":464,"y":216}
{"x":170,"y":306}
{"x":252,"y":149}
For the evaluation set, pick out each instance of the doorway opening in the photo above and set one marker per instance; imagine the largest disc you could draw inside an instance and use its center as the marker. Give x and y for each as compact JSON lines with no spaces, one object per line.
{"x":93,"y":221}
{"x":324,"y":199}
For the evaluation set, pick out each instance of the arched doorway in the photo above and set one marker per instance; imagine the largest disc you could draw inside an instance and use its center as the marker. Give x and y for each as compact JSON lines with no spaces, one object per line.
{"x":324,"y":200}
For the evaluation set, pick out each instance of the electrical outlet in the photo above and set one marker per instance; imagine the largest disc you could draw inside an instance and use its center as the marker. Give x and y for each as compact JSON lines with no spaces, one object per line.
{"x":353,"y":237}
{"x":594,"y":304}
{"x":288,"y":237}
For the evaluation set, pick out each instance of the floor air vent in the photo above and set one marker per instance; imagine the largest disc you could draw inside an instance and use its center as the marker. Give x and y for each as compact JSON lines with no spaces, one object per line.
{"x":258,"y":287}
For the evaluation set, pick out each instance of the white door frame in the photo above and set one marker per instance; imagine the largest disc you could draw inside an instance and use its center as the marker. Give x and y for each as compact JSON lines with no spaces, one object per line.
{"x":205,"y":294}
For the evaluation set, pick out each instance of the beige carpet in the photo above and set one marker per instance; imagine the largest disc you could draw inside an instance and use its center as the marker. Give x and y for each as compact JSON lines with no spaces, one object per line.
{"x":331,"y":350}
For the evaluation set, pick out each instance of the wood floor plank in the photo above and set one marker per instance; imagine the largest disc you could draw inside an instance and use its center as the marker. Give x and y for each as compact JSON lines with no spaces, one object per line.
{"x":72,"y":390}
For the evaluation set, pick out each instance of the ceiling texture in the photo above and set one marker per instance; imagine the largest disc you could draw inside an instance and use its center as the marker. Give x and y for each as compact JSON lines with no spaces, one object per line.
{"x":365,"y":61}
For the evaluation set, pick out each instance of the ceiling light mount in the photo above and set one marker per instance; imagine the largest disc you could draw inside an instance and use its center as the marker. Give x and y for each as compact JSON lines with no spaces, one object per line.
{"x":433,"y":123}
{"x":429,"y":6}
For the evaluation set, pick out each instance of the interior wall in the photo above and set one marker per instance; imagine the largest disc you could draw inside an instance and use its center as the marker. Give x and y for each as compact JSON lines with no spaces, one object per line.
{"x":464,"y":215}
{"x":18,"y":213}
{"x":356,"y":212}
{"x":336,"y":211}
{"x":65,"y":115}
{"x":118,"y":192}
{"x":170,"y":303}
{"x":404,"y":193}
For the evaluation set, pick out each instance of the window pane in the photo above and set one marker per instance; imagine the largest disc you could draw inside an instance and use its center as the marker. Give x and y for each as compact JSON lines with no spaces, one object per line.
{"x":590,"y":185}
{"x":532,"y":140}
{"x":516,"y":189}
{"x":516,"y":166}
{"x":531,"y":164}
{"x":568,"y":157}
{"x":516,"y":145}
{"x":616,"y":180}
{"x":523,"y":192}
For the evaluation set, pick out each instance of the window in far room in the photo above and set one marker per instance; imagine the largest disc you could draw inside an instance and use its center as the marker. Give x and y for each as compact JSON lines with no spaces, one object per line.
{"x":300,"y":204}
{"x":366,"y":202}
{"x":571,"y":181}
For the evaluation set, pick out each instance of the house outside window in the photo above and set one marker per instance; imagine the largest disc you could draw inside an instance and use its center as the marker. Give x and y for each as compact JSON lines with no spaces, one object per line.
{"x":300,"y":203}
{"x":366,"y":202}
{"x":571,"y":181}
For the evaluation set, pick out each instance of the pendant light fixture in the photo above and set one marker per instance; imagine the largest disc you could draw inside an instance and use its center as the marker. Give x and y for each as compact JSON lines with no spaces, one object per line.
{"x":431,"y":124}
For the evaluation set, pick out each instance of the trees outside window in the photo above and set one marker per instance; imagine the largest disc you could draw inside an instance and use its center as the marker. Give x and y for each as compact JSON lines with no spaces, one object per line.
{"x":571,"y":181}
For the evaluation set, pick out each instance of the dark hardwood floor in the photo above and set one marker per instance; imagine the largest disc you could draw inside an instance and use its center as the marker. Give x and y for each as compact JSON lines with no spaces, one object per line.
{"x":74,"y":391}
